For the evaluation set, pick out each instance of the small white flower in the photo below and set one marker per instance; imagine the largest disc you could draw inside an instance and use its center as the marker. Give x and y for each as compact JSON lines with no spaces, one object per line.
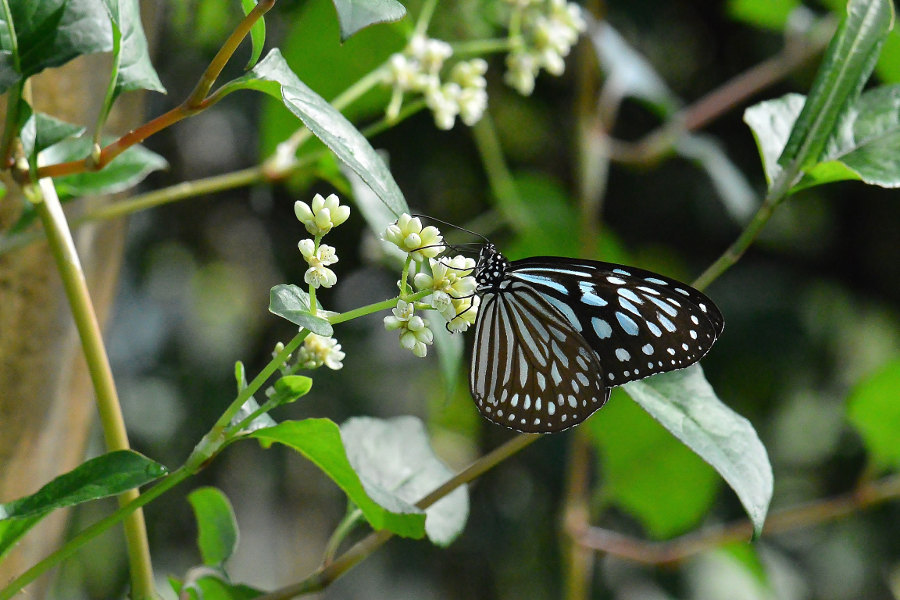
{"x":409,"y":235}
{"x":451,"y":279}
{"x":470,"y":73}
{"x":318,"y":274}
{"x":461,"y":315}
{"x":472,"y":104}
{"x":430,"y":53}
{"x":444,"y":104}
{"x":324,"y":214}
{"x":415,"y":335}
{"x":522,"y":69}
{"x":317,"y":351}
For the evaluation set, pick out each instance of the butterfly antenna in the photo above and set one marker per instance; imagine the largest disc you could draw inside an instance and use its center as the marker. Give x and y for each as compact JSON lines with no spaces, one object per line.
{"x":448,"y":224}
{"x":457,"y":315}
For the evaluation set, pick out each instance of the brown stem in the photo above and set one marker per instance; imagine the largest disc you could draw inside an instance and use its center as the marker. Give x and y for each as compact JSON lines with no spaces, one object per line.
{"x":787,"y":519}
{"x":196,"y":102}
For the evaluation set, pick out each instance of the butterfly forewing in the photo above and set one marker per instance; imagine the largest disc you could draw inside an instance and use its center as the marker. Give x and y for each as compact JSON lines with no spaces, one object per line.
{"x":531,"y":371}
{"x":638,"y":323}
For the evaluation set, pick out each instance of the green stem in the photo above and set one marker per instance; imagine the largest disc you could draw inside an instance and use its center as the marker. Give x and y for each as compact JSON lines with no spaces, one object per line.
{"x":15,"y":93}
{"x":480,"y":47}
{"x":211,"y":444}
{"x":778,"y":192}
{"x":227,"y":50}
{"x":96,"y":529}
{"x":353,"y":518}
{"x":267,"y":371}
{"x":62,"y":247}
{"x":376,"y":307}
{"x":384,"y":123}
{"x":425,"y":17}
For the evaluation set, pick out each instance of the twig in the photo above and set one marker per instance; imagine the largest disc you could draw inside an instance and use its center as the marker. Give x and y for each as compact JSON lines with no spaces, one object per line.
{"x":787,"y":519}
{"x":724,"y":98}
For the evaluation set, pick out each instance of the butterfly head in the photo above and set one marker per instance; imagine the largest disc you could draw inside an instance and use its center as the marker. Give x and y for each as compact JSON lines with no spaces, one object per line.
{"x":491,"y":268}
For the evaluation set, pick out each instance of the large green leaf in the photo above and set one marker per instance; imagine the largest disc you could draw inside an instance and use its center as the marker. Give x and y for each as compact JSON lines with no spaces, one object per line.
{"x":217,"y":530}
{"x":274,"y":77}
{"x":393,"y":459}
{"x":865,"y":144}
{"x":685,"y":404}
{"x":359,"y":14}
{"x":135,"y":69}
{"x":319,"y":440}
{"x":292,"y":303}
{"x":875,"y":412}
{"x":100,"y":477}
{"x":846,"y":67}
{"x":649,"y":473}
{"x":51,"y":33}
{"x":125,"y":171}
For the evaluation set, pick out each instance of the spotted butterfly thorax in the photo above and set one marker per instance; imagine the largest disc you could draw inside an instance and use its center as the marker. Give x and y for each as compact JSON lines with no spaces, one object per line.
{"x":553,"y":335}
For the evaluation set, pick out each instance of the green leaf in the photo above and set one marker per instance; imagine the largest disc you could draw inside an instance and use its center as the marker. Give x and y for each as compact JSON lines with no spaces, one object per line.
{"x":212,"y":586}
{"x":649,"y":473}
{"x":217,"y":530}
{"x":685,"y":404}
{"x":100,"y":477}
{"x":354,"y":15}
{"x":50,"y":33}
{"x":292,"y":303}
{"x":319,"y":440}
{"x":377,"y":215}
{"x":771,"y":122}
{"x":42,"y":131}
{"x":257,"y":33}
{"x":125,"y":171}
{"x":767,"y":14}
{"x":864,"y":145}
{"x":846,"y":66}
{"x":873,"y":409}
{"x":273,"y":76}
{"x":289,"y":388}
{"x":866,"y":141}
{"x":313,"y":40}
{"x":394,"y":458}
{"x":136,"y":72}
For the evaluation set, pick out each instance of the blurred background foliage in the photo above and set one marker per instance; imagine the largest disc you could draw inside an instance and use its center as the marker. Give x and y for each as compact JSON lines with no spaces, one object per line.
{"x":810,"y":353}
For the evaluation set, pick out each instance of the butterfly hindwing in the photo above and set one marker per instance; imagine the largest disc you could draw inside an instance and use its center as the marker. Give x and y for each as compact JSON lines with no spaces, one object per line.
{"x":530,"y":370}
{"x":638,"y":323}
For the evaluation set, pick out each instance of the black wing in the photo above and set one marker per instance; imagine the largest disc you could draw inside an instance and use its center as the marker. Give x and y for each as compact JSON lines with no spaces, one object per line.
{"x":637,"y":322}
{"x":530,"y":370}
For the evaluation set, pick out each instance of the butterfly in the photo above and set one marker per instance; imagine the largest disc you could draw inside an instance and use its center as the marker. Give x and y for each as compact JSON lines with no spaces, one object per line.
{"x":553,"y":335}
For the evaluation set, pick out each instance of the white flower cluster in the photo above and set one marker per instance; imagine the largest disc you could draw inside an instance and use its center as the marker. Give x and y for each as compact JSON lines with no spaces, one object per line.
{"x":417,"y":70}
{"x":549,"y":30}
{"x":409,"y":235}
{"x":317,"y":351}
{"x":454,"y":290}
{"x":319,"y":219}
{"x":451,"y":283}
{"x":414,"y":333}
